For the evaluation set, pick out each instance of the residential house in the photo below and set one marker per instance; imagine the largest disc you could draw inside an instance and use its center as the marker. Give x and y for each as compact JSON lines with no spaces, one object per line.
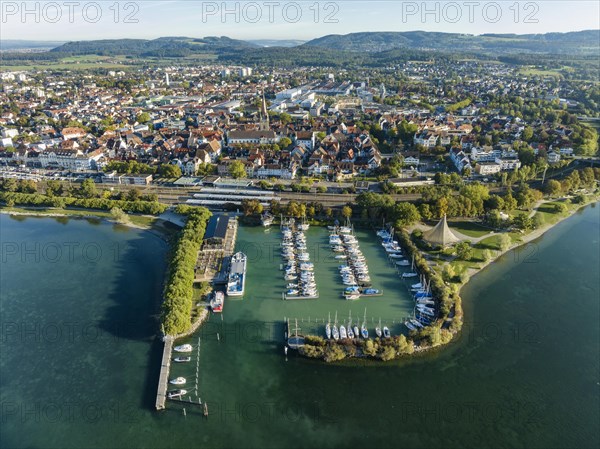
{"x":553,"y":157}
{"x":460,"y":159}
{"x":306,"y":139}
{"x":277,"y":171}
{"x":255,"y":137}
{"x":70,"y":159}
{"x":487,"y":168}
{"x":426,"y":138}
{"x":72,"y":133}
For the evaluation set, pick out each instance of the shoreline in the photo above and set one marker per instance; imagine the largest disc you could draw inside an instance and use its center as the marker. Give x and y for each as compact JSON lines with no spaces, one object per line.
{"x":418,"y":349}
{"x":524,"y":240}
{"x":84,"y":214}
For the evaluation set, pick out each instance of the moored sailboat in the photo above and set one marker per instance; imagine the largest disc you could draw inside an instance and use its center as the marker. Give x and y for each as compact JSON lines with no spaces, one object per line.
{"x":378,"y":329}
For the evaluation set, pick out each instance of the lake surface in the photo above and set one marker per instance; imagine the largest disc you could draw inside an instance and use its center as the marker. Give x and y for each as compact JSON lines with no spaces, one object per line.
{"x":79,"y":361}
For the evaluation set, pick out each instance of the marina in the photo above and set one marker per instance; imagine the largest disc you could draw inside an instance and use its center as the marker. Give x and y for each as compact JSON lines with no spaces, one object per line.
{"x":241,"y":370}
{"x":301,"y":275}
{"x":425,"y":308}
{"x":354,"y":271}
{"x":299,"y":270}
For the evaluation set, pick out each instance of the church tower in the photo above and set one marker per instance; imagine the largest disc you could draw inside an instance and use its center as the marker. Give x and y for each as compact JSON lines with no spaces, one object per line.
{"x":264,"y":114}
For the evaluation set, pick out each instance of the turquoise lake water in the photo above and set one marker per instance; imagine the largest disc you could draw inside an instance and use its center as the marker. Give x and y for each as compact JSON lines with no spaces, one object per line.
{"x":79,"y":359}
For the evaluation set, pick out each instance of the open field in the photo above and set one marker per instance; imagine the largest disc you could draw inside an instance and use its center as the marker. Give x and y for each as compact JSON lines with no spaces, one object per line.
{"x":532,"y":71}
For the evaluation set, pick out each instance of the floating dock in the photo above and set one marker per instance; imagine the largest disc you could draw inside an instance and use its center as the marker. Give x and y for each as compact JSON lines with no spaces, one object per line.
{"x":285,"y":296}
{"x":163,"y":380}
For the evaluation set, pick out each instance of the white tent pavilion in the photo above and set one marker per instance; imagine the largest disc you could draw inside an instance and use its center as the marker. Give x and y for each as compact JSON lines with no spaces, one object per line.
{"x":441,"y":234}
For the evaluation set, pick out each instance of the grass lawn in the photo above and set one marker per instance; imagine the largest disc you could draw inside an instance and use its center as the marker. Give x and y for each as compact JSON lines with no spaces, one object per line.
{"x":469,"y":228}
{"x":548,"y":214}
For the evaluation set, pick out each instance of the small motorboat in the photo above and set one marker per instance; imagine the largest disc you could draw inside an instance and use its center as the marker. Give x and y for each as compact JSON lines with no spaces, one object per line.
{"x":216,"y":303}
{"x":386,"y":332}
{"x":178,"y":381}
{"x":176,"y":393}
{"x":182,"y":359}
{"x":183,"y":348}
{"x":371,"y":291}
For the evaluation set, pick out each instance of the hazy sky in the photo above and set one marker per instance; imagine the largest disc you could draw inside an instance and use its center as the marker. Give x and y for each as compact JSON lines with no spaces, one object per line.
{"x":277,"y":19}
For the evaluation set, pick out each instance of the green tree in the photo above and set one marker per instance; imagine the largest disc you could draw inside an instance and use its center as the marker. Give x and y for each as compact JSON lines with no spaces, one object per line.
{"x":448,"y":273}
{"x":144,"y":117}
{"x":237,"y":170}
{"x":285,"y":142}
{"x":494,"y":202}
{"x":133,"y":194}
{"x":561,"y":208}
{"x":9,"y":185}
{"x":510,"y":203}
{"x":27,"y":186}
{"x":464,"y":250}
{"x":523,"y":222}
{"x":88,"y":189}
{"x":477,"y":193}
{"x":170,"y":171}
{"x":504,"y":242}
{"x":486,"y":255}
{"x":119,"y":216}
{"x":285,"y":118}
{"x":346,"y":211}
{"x":553,"y":188}
{"x":54,"y":188}
{"x":527,"y":134}
{"x":252,"y":207}
{"x":405,"y":214}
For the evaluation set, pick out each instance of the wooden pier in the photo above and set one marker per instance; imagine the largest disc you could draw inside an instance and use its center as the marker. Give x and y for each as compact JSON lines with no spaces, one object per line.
{"x":163,"y":379}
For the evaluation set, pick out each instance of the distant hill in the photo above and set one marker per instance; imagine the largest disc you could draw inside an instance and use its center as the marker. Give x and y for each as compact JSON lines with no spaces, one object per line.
{"x":17,"y":44}
{"x":161,"y":47}
{"x":277,"y":42}
{"x":587,"y":42}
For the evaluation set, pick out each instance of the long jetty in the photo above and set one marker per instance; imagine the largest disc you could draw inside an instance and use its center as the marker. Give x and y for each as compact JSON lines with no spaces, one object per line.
{"x":163,"y":380}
